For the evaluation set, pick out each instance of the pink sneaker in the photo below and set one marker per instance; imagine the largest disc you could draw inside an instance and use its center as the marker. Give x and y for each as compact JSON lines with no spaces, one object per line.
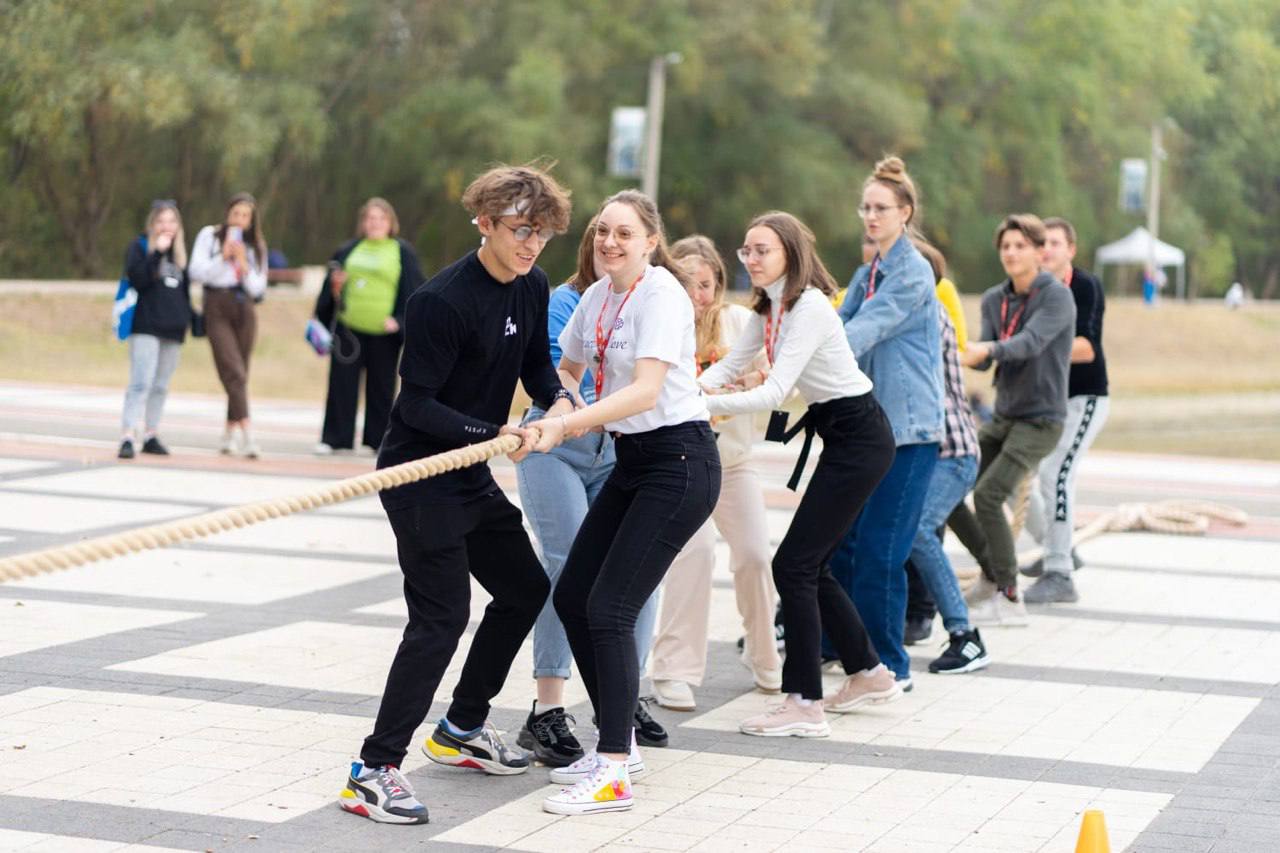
{"x":873,"y":687}
{"x":789,"y":719}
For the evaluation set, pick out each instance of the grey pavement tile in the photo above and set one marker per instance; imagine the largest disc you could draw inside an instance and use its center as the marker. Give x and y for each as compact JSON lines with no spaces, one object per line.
{"x":186,"y":839}
{"x":1158,"y":841}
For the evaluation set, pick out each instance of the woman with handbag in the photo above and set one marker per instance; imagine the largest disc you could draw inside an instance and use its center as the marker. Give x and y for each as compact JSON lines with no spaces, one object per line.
{"x":156,"y":267}
{"x":362,"y":303}
{"x":231,"y":261}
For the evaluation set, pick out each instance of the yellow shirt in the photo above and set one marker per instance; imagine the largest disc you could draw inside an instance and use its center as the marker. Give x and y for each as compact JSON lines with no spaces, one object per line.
{"x":949,"y":296}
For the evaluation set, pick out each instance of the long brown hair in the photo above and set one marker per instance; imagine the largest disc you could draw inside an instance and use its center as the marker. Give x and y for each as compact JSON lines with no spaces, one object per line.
{"x":651,"y":219}
{"x":804,"y":267}
{"x":585,"y":275}
{"x":253,"y":236}
{"x":688,"y":251}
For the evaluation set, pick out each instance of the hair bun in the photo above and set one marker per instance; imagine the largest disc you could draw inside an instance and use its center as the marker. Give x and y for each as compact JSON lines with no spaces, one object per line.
{"x":890,"y":169}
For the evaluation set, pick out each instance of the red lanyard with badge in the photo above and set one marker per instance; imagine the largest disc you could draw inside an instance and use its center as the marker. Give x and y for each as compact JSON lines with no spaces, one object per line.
{"x":871,"y":279}
{"x":1006,"y":331}
{"x":603,"y":337}
{"x":771,"y":334}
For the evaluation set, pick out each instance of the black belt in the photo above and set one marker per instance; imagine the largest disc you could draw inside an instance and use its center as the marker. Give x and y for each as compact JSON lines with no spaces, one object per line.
{"x":805,"y":423}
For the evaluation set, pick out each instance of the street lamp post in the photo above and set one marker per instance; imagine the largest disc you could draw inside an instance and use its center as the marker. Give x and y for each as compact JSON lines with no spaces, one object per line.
{"x":653,"y":120}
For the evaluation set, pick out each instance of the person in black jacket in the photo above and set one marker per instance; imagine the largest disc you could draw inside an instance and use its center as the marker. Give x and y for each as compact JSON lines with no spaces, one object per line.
{"x":363,"y":300}
{"x":156,"y":266}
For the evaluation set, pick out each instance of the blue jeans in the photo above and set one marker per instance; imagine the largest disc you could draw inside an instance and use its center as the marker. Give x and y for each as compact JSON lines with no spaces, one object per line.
{"x":869,"y":563}
{"x":953,"y":478}
{"x":555,"y":489}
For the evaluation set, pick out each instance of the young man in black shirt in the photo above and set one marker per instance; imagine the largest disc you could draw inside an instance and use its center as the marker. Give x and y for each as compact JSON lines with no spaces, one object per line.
{"x":470,"y":332}
{"x":1049,"y":518}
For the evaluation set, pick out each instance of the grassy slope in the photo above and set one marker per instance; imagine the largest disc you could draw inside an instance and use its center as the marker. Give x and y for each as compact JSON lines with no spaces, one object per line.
{"x":1160,"y":361}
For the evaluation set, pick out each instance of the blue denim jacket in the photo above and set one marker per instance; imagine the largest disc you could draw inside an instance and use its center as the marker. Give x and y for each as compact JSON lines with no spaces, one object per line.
{"x":897,"y":342}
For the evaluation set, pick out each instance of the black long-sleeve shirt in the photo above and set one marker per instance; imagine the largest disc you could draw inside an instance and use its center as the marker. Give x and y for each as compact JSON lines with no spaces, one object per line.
{"x":468,"y":337}
{"x":1088,"y":378}
{"x":164,"y":296}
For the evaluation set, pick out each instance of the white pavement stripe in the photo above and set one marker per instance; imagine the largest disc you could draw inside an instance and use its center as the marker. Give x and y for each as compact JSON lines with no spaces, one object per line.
{"x":33,"y":624}
{"x":1118,"y":726}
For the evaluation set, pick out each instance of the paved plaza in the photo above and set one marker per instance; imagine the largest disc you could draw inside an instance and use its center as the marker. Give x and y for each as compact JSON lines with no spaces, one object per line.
{"x":211,"y":696}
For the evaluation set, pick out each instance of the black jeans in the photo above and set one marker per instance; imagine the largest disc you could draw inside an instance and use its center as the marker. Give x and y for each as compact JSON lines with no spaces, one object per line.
{"x":439,"y":547}
{"x":857,"y":451}
{"x":378,"y":357}
{"x":661,"y":491}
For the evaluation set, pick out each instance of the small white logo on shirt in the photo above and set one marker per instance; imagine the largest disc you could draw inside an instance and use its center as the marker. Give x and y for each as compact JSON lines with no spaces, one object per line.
{"x":511,"y":328}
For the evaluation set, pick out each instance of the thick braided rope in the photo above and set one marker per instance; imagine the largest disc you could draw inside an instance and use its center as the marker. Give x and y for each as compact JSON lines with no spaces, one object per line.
{"x":195,"y":527}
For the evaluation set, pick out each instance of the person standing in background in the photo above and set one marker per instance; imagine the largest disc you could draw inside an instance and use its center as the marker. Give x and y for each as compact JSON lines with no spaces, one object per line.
{"x":369,"y":282}
{"x":156,"y":265}
{"x":1050,"y":517}
{"x":231,"y":261}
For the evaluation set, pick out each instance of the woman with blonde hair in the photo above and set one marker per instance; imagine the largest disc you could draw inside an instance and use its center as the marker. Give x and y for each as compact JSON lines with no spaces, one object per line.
{"x":156,"y":265}
{"x":231,"y":261}
{"x":680,"y":651}
{"x":362,"y":300}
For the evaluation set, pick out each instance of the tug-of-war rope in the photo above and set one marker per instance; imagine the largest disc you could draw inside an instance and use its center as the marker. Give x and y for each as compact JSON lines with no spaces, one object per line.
{"x":195,"y":527}
{"x":1182,"y":517}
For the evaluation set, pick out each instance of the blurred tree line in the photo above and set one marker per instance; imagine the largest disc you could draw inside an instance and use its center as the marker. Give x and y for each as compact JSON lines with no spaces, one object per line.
{"x":315,"y":105}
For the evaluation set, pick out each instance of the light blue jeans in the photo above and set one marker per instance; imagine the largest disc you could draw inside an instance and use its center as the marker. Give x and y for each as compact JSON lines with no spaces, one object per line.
{"x":555,"y":489}
{"x":952,"y":479}
{"x":152,"y":361}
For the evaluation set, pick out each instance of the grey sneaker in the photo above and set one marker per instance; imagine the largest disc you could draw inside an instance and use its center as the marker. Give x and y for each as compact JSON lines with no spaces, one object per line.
{"x":484,"y":750}
{"x":1036,"y":569}
{"x":381,"y":794}
{"x":1052,"y":588}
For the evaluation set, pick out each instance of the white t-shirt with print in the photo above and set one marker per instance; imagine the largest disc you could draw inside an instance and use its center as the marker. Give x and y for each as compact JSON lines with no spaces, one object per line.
{"x":656,"y":322}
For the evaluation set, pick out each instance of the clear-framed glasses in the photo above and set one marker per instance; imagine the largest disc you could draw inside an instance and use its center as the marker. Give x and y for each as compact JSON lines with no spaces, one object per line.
{"x":621,"y":234}
{"x":747,"y":252}
{"x":524,"y":232}
{"x":866,"y":210}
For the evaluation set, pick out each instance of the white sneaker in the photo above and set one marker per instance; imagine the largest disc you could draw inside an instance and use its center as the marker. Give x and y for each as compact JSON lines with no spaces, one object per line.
{"x":323,"y":449}
{"x":586,"y":765}
{"x":230,"y":444}
{"x":674,"y":695}
{"x":250,"y":447}
{"x":606,"y":788}
{"x":767,"y":680}
{"x":997,"y":611}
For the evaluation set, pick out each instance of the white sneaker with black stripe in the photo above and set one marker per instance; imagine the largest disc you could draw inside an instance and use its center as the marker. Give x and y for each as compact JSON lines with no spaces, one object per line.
{"x":965,"y":653}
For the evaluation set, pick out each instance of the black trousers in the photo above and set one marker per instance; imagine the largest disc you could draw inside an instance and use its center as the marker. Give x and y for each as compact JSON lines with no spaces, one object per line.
{"x":378,"y":358}
{"x":439,"y":546}
{"x":661,"y":491}
{"x":857,"y":451}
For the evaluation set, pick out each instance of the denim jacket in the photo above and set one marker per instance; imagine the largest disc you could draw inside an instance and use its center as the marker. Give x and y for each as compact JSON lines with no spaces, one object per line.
{"x":897,"y":342}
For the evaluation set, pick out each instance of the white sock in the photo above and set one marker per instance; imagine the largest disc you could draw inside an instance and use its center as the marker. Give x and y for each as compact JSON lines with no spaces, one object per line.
{"x":800,"y":700}
{"x":543,"y":707}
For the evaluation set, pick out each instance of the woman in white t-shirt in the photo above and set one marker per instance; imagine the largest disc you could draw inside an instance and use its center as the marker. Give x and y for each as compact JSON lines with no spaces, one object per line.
{"x":806,"y":348}
{"x":635,"y":329}
{"x":680,"y":651}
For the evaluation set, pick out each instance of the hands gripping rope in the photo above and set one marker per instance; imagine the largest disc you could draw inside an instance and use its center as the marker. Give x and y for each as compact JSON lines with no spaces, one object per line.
{"x":195,"y":527}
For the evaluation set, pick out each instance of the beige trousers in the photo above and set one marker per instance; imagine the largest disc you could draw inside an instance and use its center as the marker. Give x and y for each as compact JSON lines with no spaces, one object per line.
{"x":680,"y":651}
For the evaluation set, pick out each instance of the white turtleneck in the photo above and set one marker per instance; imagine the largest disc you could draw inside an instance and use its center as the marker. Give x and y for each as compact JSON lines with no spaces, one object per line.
{"x":812,"y":355}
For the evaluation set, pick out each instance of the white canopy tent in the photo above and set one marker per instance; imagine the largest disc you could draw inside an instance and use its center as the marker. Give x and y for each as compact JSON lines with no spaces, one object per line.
{"x":1140,"y":248}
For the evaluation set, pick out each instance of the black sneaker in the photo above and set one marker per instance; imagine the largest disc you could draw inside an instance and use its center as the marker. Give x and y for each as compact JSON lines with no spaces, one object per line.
{"x":965,"y":653}
{"x":484,"y":750}
{"x":549,"y":738}
{"x":649,"y":732}
{"x":918,"y":629}
{"x":153,"y":445}
{"x":126,"y":449}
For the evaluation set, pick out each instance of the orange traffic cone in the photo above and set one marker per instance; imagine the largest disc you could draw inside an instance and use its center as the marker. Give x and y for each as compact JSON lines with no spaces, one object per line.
{"x":1093,"y":834}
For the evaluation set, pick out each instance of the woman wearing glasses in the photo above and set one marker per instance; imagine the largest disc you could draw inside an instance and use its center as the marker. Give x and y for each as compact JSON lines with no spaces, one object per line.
{"x":369,"y":282}
{"x":680,"y":651}
{"x":156,"y":265}
{"x":803,"y":341}
{"x":635,"y":330}
{"x":891,"y":321}
{"x":556,"y":488}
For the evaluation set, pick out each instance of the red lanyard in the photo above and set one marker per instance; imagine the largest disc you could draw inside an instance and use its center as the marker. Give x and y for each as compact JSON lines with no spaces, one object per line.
{"x":770,"y":335}
{"x":602,"y":339}
{"x":871,"y":279}
{"x":1006,"y":331}
{"x":1066,"y":279}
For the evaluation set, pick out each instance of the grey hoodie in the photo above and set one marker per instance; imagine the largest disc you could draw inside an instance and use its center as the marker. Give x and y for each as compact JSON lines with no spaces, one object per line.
{"x":1031,"y":377}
